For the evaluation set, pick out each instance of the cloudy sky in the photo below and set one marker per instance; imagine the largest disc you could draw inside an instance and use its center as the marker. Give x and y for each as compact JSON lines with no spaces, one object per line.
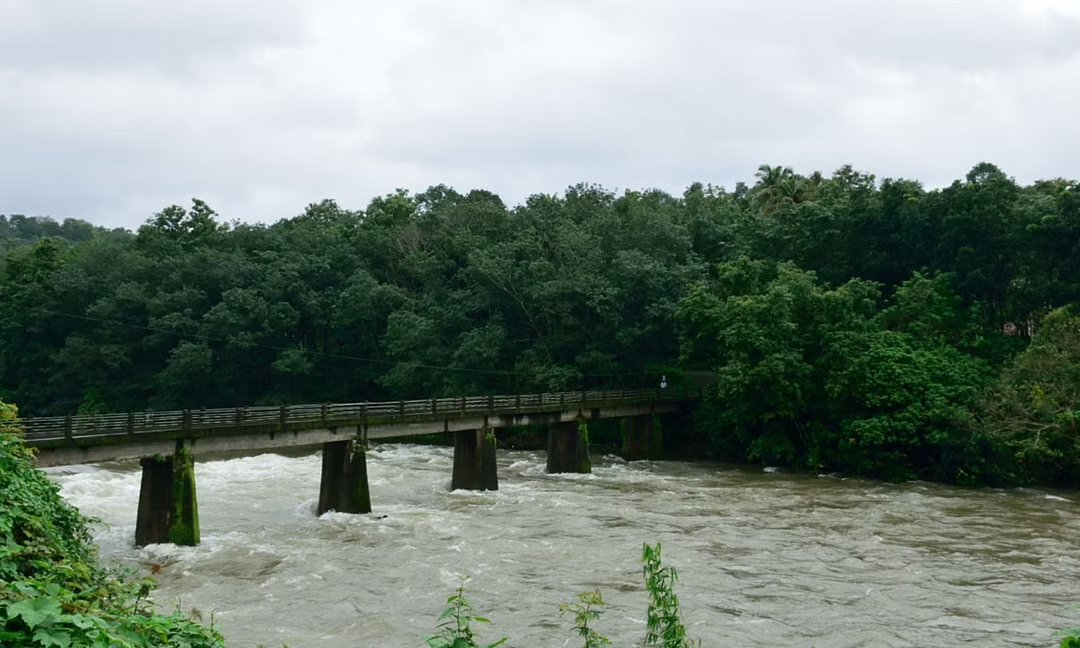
{"x":113,"y":109}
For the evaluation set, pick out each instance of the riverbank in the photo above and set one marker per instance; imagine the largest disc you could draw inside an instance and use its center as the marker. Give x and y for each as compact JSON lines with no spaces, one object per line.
{"x":53,"y":589}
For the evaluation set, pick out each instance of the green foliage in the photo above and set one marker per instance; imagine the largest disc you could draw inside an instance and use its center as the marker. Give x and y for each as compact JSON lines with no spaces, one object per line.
{"x":444,"y":293}
{"x":664,"y":627}
{"x":1070,"y":637}
{"x":1034,"y":409}
{"x":455,"y":625}
{"x":52,"y":590}
{"x":809,"y":376}
{"x":38,"y":529}
{"x":587,"y":610}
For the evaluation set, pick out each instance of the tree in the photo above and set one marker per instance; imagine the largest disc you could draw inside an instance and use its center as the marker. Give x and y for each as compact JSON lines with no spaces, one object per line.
{"x":1034,"y":410}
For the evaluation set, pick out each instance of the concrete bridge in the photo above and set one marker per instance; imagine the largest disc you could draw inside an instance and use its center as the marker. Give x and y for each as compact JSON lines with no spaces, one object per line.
{"x":166,"y":443}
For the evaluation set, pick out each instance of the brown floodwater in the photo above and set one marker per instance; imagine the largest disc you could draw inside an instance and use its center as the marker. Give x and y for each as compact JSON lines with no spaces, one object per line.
{"x":764,"y":558}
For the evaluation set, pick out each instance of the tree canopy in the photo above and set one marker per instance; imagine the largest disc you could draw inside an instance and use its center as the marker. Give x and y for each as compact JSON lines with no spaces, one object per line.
{"x":857,"y":324}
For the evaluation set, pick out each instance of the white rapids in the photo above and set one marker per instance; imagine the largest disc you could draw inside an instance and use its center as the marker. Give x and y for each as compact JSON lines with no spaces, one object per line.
{"x":764,"y":558}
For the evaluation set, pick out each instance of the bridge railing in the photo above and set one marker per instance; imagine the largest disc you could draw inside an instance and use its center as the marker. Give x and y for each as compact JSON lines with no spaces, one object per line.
{"x":87,"y":426}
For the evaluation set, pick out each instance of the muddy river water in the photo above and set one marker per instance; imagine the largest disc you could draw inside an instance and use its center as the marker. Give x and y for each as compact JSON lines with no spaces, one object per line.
{"x":764,"y":558}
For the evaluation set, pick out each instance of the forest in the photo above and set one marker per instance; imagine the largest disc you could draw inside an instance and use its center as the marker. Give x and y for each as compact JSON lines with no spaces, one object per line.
{"x":865,"y":326}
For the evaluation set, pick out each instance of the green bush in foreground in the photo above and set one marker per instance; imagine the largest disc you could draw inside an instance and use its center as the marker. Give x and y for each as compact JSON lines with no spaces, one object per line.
{"x":664,"y":625}
{"x":53,"y":591}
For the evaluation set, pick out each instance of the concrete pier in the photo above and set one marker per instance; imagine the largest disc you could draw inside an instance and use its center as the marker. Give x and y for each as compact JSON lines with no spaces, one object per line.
{"x":474,"y":461}
{"x":568,"y":447}
{"x":642,"y":437}
{"x":168,"y":506}
{"x":344,"y":484}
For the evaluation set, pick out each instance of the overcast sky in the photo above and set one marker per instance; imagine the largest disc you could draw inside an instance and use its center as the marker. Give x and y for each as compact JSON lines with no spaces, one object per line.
{"x":113,"y":109}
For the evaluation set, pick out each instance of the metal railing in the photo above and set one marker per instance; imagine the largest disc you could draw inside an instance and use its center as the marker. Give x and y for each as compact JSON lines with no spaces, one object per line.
{"x":88,"y":426}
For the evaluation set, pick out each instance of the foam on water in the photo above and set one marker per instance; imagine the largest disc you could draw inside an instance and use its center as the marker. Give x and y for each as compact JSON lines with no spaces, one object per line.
{"x":764,"y":558}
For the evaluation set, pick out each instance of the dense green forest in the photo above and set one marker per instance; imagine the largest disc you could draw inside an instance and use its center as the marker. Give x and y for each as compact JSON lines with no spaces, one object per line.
{"x":874,"y":327}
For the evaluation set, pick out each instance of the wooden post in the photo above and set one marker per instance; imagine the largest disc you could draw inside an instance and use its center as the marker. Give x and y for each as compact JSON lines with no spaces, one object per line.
{"x":131,"y":424}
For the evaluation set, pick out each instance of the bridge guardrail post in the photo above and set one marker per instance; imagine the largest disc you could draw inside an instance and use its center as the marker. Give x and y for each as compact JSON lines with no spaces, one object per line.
{"x":185,"y":420}
{"x":434,"y":406}
{"x":562,"y":400}
{"x":401,"y":408}
{"x":322,"y":412}
{"x":363,"y":411}
{"x":517,"y":402}
{"x":491,"y":403}
{"x":238,"y":416}
{"x":463,"y":405}
{"x":67,"y":428}
{"x":131,"y":424}
{"x":283,"y":416}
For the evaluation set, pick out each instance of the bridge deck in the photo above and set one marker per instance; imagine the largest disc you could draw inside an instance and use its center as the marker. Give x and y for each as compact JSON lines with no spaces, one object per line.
{"x":103,"y":437}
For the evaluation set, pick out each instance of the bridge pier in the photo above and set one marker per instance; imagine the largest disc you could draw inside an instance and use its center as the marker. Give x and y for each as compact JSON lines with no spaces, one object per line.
{"x":642,"y":437}
{"x":568,"y":447}
{"x":344,"y":484}
{"x":168,"y":507}
{"x":474,"y":461}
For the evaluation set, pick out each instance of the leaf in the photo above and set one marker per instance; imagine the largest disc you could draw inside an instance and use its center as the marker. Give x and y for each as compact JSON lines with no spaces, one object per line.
{"x":35,"y":611}
{"x":47,"y":638}
{"x":448,"y":612}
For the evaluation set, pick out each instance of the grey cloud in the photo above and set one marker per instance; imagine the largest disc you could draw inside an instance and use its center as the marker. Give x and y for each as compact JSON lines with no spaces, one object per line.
{"x":270,"y":109}
{"x":102,"y":35}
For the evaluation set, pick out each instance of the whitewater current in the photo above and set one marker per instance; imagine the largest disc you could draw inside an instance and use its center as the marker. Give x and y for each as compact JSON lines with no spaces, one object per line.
{"x":764,"y":558}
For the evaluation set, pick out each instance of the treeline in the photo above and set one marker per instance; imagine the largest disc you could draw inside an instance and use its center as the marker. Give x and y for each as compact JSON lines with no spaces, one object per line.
{"x":855,"y":325}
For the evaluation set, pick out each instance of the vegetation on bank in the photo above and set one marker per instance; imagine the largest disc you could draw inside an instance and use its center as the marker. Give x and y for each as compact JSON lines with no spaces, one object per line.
{"x":53,"y":590}
{"x":663,"y":619}
{"x":854,"y":325}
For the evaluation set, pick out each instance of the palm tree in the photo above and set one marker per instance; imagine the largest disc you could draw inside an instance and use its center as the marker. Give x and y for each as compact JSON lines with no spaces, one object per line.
{"x":776,"y":186}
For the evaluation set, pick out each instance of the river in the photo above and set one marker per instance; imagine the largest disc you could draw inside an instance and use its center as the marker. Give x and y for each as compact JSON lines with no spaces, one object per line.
{"x":764,"y":558}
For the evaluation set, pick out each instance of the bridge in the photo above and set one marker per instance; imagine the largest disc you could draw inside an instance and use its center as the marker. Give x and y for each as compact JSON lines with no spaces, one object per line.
{"x":166,"y":443}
